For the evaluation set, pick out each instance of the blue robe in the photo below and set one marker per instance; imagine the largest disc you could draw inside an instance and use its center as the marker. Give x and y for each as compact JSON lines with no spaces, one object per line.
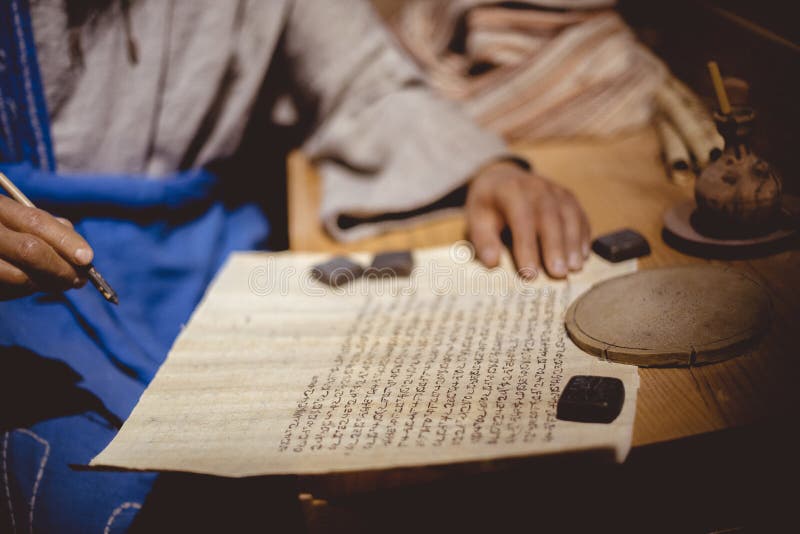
{"x":158,"y":243}
{"x":72,"y":366}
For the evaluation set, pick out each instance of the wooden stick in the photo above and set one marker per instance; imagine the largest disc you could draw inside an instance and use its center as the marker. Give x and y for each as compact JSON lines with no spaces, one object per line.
{"x":675,"y":152}
{"x":702,"y":116}
{"x":690,"y":118}
{"x":719,"y":87}
{"x":14,"y":192}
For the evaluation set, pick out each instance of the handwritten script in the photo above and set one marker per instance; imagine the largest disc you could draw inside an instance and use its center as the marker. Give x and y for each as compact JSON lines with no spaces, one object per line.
{"x":277,"y":374}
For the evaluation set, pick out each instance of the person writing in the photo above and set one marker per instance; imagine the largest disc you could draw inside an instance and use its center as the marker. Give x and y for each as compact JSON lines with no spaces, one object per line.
{"x":149,"y":125}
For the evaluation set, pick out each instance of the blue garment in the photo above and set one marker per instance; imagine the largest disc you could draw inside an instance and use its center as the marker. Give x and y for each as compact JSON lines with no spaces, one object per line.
{"x":160,"y":269}
{"x":159,"y":243}
{"x":24,"y":124}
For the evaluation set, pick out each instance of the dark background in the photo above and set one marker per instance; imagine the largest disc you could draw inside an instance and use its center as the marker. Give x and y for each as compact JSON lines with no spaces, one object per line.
{"x":756,"y":40}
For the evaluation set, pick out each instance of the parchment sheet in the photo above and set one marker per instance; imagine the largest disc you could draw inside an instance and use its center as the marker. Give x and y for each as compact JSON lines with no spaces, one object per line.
{"x":278,"y":374}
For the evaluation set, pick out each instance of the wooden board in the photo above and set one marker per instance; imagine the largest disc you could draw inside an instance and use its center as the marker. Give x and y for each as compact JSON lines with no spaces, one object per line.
{"x":686,"y":315}
{"x":678,"y":220}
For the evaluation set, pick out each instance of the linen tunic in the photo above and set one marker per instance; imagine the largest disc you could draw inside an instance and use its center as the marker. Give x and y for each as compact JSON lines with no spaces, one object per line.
{"x":382,"y":141}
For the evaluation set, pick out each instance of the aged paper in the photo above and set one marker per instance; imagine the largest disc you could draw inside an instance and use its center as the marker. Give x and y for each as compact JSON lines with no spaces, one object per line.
{"x":278,"y":374}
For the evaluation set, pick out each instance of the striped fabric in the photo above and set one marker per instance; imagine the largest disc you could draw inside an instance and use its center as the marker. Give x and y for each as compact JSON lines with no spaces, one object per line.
{"x":543,"y":73}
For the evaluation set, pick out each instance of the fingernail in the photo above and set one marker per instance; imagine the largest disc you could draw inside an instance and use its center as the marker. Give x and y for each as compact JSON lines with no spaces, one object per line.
{"x":574,"y":261}
{"x":489,"y":255}
{"x":559,"y":269}
{"x":586,"y":250}
{"x":83,"y":256}
{"x":76,"y":283}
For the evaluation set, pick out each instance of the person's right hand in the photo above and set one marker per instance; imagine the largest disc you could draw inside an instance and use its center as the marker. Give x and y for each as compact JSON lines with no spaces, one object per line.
{"x":38,"y":252}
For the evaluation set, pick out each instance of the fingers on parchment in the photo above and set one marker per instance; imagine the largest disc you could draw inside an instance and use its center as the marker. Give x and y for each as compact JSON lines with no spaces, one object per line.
{"x":546,"y":221}
{"x":518,"y":208}
{"x":576,"y":231}
{"x":484,"y":225}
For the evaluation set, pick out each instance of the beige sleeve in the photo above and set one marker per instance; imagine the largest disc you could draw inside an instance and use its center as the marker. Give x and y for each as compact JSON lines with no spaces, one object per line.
{"x":382,"y":141}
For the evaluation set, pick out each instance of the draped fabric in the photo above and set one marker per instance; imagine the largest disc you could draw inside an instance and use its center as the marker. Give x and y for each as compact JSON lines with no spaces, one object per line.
{"x":24,"y":127}
{"x":381,"y":140}
{"x":570,"y":68}
{"x":158,"y":243}
{"x":160,"y":268}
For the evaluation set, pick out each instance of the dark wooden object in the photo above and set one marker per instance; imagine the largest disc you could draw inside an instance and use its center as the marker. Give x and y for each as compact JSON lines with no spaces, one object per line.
{"x":391,"y":264}
{"x":682,"y":222}
{"x":591,"y":399}
{"x":336,"y":272}
{"x":739,"y":194}
{"x":621,"y":245}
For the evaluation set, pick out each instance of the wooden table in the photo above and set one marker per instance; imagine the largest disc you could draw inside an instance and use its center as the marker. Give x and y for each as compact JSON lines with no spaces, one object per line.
{"x":622,"y":183}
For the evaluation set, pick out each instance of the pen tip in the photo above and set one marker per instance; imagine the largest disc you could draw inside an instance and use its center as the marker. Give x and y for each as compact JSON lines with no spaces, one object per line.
{"x":102,"y":286}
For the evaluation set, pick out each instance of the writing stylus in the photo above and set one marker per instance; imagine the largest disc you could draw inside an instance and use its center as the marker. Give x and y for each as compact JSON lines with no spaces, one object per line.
{"x":97,"y":280}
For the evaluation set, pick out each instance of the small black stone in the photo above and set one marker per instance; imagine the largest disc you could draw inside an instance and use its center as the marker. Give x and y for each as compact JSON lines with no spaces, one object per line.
{"x":621,"y":245}
{"x":336,"y":272}
{"x":391,"y":264}
{"x":591,"y":399}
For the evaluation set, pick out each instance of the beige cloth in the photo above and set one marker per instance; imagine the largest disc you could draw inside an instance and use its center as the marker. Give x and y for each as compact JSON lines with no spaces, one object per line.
{"x":576,"y":71}
{"x":383,"y":142}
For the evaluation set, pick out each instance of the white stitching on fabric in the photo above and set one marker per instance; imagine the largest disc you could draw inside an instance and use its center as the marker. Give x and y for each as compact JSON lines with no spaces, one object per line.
{"x":23,"y":56}
{"x":6,"y":123}
{"x":118,"y":510}
{"x":42,"y":465}
{"x":5,"y":483}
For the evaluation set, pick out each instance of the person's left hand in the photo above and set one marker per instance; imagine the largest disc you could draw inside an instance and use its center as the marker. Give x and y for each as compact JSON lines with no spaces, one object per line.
{"x":541,"y":215}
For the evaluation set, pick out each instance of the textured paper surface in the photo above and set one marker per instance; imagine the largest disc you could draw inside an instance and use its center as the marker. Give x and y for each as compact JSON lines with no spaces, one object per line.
{"x":277,"y":374}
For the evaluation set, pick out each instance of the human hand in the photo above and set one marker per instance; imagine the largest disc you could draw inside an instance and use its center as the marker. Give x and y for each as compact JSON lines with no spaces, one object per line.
{"x":546,"y":220}
{"x":38,"y":252}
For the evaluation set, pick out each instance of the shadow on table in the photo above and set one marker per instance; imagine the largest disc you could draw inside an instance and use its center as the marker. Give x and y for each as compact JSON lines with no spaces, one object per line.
{"x":728,"y":481}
